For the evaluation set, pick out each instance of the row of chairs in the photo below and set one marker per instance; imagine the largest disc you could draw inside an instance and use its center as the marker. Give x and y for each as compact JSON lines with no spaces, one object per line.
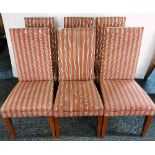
{"x":45,"y":54}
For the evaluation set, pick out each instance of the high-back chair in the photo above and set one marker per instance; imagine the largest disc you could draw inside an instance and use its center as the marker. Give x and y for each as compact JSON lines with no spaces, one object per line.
{"x":77,"y":94}
{"x":50,"y":23}
{"x":78,"y":22}
{"x":33,"y":94}
{"x":101,"y":24}
{"x":121,"y":94}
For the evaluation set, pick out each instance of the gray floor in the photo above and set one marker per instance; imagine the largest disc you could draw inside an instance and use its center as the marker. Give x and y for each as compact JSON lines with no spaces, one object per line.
{"x":77,"y":128}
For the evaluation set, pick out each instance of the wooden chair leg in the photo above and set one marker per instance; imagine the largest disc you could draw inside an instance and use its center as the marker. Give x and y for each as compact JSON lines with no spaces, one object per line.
{"x":51,"y":123}
{"x":57,"y":128}
{"x":10,"y":128}
{"x":99,"y":126}
{"x":147,"y":122}
{"x":104,"y":126}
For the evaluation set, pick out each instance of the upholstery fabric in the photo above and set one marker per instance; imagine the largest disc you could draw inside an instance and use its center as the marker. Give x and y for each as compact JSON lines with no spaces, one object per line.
{"x":121,"y":52}
{"x":125,"y":98}
{"x":32,"y":53}
{"x":77,"y":98}
{"x":29,"y":99}
{"x":76,"y":53}
{"x":101,"y":23}
{"x":50,"y":23}
{"x":78,"y":22}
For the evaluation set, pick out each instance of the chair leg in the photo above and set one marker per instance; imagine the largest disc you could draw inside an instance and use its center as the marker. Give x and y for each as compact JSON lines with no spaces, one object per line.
{"x":99,"y":126}
{"x":57,"y":128}
{"x":104,"y":126}
{"x":51,"y":123}
{"x":10,"y":128}
{"x":147,"y":122}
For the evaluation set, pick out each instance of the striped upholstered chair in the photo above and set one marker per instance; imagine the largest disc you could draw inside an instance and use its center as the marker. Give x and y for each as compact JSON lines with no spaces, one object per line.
{"x":78,"y":22}
{"x":33,"y":94}
{"x":77,"y":94}
{"x":50,"y":23}
{"x":121,"y":94}
{"x":101,"y":23}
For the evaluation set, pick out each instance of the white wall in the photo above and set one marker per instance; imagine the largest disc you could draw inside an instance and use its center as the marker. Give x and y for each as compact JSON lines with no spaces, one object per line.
{"x":16,"y":20}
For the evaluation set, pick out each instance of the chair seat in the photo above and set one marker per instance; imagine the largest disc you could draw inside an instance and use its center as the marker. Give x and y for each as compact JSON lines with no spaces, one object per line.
{"x":29,"y":99}
{"x":125,"y":98}
{"x":77,"y":98}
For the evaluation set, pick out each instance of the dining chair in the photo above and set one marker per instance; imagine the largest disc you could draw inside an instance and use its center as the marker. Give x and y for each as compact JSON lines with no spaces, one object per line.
{"x":78,"y":22}
{"x":33,"y":94}
{"x":77,"y":94}
{"x":101,"y":23}
{"x":122,"y":96}
{"x":49,"y":22}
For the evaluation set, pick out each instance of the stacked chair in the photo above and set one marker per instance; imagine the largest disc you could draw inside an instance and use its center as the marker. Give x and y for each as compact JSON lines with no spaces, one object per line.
{"x":33,"y":94}
{"x":101,"y":23}
{"x":73,"y":58}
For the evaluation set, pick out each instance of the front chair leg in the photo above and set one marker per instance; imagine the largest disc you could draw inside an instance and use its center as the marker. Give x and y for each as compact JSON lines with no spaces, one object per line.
{"x":51,"y":123}
{"x":10,"y":128}
{"x":104,"y":126}
{"x":57,"y":128}
{"x":147,"y":122}
{"x":99,"y":126}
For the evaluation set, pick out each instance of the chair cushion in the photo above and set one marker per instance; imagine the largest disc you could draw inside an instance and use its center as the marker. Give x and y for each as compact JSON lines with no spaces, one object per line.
{"x":124,"y":98}
{"x":76,"y":53}
{"x":121,"y":52}
{"x":50,"y":23}
{"x":77,"y":98}
{"x":78,"y":22}
{"x":32,"y":52}
{"x":29,"y":99}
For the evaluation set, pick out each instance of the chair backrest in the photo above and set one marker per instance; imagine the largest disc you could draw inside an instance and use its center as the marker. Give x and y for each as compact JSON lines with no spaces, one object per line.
{"x":120,"y":53}
{"x":50,"y":23}
{"x":32,"y":53}
{"x":101,"y":23}
{"x":78,"y":22}
{"x":76,"y":53}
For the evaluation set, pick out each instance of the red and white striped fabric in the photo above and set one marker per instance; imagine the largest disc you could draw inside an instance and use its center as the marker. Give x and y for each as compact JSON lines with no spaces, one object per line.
{"x":78,"y":22}
{"x":77,"y":98}
{"x":125,"y":98}
{"x":29,"y":99}
{"x":76,"y":53}
{"x":50,"y":23}
{"x":32,"y":53}
{"x":101,"y":23}
{"x":121,"y":52}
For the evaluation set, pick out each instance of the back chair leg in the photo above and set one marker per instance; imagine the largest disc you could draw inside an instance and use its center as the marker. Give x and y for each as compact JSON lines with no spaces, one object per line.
{"x":57,"y":128}
{"x":104,"y":126}
{"x":99,"y":126}
{"x":51,"y":123}
{"x":147,"y":122}
{"x":10,"y":128}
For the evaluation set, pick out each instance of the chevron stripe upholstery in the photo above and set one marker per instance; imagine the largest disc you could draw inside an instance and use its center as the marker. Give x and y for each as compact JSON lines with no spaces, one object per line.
{"x":77,"y":98}
{"x":121,"y":52}
{"x":101,"y":23}
{"x":125,"y":98}
{"x":49,"y":22}
{"x":76,"y":53}
{"x":29,"y":99}
{"x":78,"y":22}
{"x":31,"y":47}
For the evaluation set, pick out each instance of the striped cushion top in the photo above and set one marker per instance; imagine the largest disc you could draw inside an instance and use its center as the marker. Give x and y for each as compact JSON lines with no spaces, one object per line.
{"x":50,"y":23}
{"x":120,"y":53}
{"x":32,"y":53}
{"x":29,"y":99}
{"x":77,"y":98}
{"x":76,"y":52}
{"x":101,"y":23}
{"x":78,"y":22}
